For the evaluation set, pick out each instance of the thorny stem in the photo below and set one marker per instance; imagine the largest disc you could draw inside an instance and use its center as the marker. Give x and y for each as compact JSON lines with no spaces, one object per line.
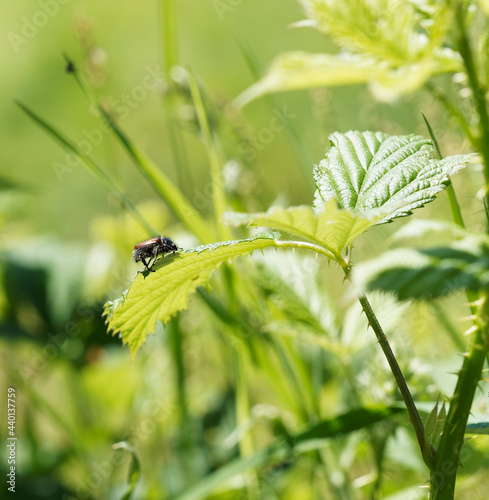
{"x":395,"y":369}
{"x":447,"y":458}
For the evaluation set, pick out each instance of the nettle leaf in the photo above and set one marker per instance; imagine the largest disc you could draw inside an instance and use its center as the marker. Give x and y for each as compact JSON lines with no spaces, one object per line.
{"x":392,"y":45}
{"x":434,"y":426}
{"x":327,"y":225}
{"x":428,"y":273}
{"x":395,"y":31}
{"x":371,"y":170}
{"x":159,"y":295}
{"x":301,"y":70}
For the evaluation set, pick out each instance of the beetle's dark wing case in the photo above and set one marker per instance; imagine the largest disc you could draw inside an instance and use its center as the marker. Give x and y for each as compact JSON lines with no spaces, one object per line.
{"x":147,"y":242}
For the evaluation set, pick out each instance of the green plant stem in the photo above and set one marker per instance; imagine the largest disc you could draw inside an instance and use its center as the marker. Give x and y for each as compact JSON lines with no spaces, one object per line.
{"x":447,"y":458}
{"x":246,"y":442}
{"x":472,"y":296}
{"x":478,"y":93}
{"x":454,"y":206}
{"x":452,"y":109}
{"x":218,"y":194}
{"x":395,"y":369}
{"x":169,"y":31}
{"x":162,"y":184}
{"x":170,"y":60}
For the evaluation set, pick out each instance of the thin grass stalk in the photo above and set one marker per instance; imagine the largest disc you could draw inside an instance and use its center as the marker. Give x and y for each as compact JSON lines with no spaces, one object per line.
{"x":170,"y":51}
{"x":162,"y":184}
{"x":100,"y":175}
{"x":218,"y":194}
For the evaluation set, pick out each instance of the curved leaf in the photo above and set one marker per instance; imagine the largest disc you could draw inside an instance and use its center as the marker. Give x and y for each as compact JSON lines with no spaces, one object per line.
{"x":393,"y":45}
{"x":302,"y":70}
{"x":159,"y":295}
{"x":134,"y":469}
{"x":329,"y":226}
{"x":368,"y":170}
{"x":431,"y":273}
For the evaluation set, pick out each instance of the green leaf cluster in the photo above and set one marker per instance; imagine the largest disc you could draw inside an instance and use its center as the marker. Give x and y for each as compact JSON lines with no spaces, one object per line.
{"x":366,"y":178}
{"x":429,"y":273}
{"x":393,"y":45}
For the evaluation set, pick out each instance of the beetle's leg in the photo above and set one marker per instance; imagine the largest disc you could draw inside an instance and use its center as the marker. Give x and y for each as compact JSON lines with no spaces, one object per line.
{"x":144,"y":262}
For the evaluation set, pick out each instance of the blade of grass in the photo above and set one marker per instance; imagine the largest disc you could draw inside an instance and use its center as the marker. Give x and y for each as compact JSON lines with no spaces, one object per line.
{"x":246,"y":443}
{"x":162,"y":184}
{"x":91,"y":166}
{"x":305,"y":160}
{"x":454,"y":206}
{"x":285,"y":448}
{"x":169,"y":31}
{"x":472,"y":297}
{"x":452,"y":109}
{"x":219,"y":196}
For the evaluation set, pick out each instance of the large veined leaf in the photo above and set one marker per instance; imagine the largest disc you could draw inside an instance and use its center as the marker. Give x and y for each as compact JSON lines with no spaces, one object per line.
{"x":428,"y":273}
{"x":327,"y":225}
{"x":371,"y":170}
{"x":159,"y":295}
{"x":285,"y":448}
{"x":393,"y":45}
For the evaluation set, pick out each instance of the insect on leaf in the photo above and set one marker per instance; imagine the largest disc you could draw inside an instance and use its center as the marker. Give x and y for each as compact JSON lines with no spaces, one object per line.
{"x":159,"y":295}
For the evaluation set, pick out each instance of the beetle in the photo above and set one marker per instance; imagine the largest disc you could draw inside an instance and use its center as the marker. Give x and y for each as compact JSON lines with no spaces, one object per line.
{"x":151,"y":249}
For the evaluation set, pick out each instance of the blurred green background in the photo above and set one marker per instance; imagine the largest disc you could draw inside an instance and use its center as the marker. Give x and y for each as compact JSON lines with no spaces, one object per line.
{"x":65,"y":248}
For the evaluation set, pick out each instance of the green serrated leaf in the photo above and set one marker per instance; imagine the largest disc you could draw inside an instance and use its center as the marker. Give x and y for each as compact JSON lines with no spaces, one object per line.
{"x":429,"y":273}
{"x":388,"y":29}
{"x":159,"y":295}
{"x":327,"y":225}
{"x":302,"y":70}
{"x":393,"y":45}
{"x":371,"y":170}
{"x":434,"y":426}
